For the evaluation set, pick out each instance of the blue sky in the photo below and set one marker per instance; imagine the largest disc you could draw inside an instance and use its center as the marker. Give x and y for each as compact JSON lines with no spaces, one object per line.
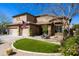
{"x":10,"y":10}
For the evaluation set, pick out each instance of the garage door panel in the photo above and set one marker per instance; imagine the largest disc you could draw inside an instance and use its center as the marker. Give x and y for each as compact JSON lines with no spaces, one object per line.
{"x":14,"y":32}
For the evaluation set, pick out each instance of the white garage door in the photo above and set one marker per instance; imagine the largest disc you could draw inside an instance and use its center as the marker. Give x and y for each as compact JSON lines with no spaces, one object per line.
{"x":25,"y":32}
{"x":14,"y":32}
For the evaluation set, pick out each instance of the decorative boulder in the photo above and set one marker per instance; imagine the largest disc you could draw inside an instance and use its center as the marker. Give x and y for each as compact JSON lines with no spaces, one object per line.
{"x":9,"y":51}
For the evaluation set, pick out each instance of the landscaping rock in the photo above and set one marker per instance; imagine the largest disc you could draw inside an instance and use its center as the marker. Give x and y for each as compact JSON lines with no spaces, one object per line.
{"x":9,"y":51}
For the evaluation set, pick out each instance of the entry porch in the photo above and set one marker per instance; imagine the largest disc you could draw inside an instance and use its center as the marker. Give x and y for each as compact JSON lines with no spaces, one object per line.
{"x":49,"y":29}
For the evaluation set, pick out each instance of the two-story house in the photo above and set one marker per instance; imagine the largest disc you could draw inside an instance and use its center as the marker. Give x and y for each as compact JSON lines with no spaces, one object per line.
{"x":26,"y":24}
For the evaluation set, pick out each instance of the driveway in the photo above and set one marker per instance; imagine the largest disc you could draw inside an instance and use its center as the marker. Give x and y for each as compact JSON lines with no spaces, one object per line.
{"x":8,"y":39}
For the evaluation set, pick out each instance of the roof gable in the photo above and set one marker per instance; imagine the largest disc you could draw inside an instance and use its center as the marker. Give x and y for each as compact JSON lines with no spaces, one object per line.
{"x":23,"y":14}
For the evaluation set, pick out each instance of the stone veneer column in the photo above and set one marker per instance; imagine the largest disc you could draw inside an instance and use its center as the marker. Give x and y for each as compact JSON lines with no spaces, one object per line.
{"x":49,"y":30}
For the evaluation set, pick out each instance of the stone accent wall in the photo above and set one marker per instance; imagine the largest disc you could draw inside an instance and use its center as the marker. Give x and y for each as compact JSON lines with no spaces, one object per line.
{"x":31,"y":18}
{"x":52,"y":29}
{"x":35,"y":30}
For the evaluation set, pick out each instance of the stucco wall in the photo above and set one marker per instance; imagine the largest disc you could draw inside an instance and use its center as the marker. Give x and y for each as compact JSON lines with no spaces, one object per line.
{"x":19,"y":19}
{"x":44,"y":19}
{"x":36,"y":30}
{"x":25,"y":18}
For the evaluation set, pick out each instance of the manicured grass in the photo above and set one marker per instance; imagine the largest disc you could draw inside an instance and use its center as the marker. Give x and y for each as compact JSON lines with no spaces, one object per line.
{"x":36,"y":46}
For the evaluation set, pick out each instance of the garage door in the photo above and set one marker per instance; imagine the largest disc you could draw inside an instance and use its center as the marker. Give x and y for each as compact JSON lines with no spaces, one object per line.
{"x":14,"y":32}
{"x":25,"y":32}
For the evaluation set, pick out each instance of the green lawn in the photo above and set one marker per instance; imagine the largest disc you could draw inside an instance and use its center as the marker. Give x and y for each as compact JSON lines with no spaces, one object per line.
{"x":36,"y":46}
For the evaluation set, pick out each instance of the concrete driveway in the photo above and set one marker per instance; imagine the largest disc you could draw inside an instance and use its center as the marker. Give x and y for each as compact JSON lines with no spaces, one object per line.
{"x":8,"y":39}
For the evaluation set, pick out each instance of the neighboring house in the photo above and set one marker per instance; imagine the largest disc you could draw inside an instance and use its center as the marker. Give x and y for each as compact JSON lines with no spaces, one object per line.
{"x":26,"y":24}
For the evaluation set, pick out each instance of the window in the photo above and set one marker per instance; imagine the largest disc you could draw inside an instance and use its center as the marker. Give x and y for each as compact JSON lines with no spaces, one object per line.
{"x":58,"y":28}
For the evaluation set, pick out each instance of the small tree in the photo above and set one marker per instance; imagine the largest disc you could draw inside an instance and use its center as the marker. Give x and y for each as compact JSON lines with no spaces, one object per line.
{"x":4,"y":21}
{"x":76,"y":28}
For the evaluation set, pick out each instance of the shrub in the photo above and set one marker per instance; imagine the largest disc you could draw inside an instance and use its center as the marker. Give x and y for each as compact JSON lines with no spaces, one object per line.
{"x":71,"y":32}
{"x":77,"y":31}
{"x":76,"y":28}
{"x":65,"y":33}
{"x":70,"y":47}
{"x":77,"y":39}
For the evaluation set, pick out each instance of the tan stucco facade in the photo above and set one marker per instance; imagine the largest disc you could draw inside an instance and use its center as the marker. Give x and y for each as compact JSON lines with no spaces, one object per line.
{"x":19,"y":19}
{"x":44,"y":19}
{"x":26,"y":24}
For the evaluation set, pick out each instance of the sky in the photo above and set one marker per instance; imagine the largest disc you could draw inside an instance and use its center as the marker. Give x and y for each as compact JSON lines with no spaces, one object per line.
{"x":12,"y":9}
